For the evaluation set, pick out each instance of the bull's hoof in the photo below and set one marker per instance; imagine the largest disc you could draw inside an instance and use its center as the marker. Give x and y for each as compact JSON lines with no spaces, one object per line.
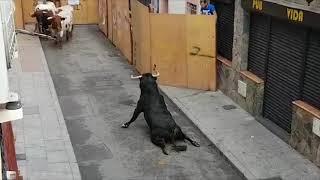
{"x":165,"y":152}
{"x":196,"y":144}
{"x":125,"y":125}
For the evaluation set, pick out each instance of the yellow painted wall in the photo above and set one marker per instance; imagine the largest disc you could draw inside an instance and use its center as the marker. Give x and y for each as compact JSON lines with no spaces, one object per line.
{"x":183,"y":47}
{"x":18,"y":14}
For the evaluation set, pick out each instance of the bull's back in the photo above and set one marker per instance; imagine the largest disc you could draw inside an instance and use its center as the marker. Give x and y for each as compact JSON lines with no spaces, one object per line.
{"x":157,"y":115}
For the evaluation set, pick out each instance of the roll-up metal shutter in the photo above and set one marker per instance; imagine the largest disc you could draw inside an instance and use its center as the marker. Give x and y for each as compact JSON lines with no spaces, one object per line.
{"x":284,"y":71}
{"x":311,"y":87}
{"x":225,"y":27}
{"x":258,"y":44}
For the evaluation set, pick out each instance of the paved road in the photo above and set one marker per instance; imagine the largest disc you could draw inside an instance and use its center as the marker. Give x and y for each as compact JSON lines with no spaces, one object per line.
{"x":96,"y":95}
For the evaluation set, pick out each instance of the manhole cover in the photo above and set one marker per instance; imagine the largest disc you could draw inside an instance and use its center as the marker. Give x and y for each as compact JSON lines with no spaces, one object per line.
{"x":21,"y":157}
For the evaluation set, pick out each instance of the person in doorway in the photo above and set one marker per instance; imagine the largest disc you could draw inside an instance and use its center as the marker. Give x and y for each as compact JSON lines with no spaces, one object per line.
{"x":207,"y":8}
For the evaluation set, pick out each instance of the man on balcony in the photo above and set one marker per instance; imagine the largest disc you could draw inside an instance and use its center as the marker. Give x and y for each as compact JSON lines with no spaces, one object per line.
{"x":207,"y":8}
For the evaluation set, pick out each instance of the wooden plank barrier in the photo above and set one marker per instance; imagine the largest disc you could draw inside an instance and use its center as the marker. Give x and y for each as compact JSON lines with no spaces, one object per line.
{"x":182,"y":46}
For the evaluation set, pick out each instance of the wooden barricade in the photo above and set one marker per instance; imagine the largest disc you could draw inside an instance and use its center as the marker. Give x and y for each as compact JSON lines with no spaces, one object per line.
{"x":183,"y":47}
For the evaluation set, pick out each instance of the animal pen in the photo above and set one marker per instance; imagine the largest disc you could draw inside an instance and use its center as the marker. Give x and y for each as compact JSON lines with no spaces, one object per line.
{"x":183,"y":47}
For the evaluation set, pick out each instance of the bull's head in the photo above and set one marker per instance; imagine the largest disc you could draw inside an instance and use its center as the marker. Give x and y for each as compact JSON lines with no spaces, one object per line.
{"x":155,"y":76}
{"x":56,"y":22}
{"x":140,"y":76}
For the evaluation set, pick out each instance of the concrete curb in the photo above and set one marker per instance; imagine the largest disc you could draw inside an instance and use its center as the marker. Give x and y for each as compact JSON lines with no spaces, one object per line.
{"x":242,"y":170}
{"x":75,"y":172}
{"x":186,"y":113}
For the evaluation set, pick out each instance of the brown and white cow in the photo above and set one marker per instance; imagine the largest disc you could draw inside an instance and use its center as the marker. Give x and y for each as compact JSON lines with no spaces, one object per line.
{"x":62,"y":23}
{"x":41,"y":12}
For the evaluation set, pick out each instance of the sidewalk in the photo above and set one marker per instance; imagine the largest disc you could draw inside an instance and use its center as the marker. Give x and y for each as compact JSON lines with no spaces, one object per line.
{"x":43,"y":147}
{"x":249,"y":146}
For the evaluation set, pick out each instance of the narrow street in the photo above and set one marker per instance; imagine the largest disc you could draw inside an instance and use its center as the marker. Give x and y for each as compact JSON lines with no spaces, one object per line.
{"x":96,"y":95}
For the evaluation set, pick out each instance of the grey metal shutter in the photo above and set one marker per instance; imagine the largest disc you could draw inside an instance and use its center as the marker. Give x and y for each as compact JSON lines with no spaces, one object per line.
{"x":311,"y":87}
{"x":225,"y":27}
{"x":258,"y":44}
{"x":284,"y":70}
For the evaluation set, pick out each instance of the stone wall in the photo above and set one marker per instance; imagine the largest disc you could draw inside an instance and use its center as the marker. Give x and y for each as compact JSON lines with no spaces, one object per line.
{"x":302,"y":138}
{"x":230,"y":72}
{"x":228,"y":84}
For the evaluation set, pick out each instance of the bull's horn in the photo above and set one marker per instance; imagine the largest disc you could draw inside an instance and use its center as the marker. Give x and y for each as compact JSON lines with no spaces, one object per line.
{"x":136,"y":77}
{"x":49,"y":18}
{"x":156,"y":75}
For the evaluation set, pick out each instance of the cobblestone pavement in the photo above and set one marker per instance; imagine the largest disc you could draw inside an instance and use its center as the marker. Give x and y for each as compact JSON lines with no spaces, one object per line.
{"x":96,"y":95}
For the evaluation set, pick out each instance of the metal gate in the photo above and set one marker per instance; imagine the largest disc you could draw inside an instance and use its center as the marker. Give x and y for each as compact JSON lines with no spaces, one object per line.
{"x":258,"y":44}
{"x":311,"y":86}
{"x":7,"y":9}
{"x":284,"y":71}
{"x":225,"y":28}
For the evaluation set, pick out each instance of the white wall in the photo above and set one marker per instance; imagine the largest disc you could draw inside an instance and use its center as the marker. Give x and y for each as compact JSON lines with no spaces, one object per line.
{"x":6,"y":45}
{"x":177,"y":6}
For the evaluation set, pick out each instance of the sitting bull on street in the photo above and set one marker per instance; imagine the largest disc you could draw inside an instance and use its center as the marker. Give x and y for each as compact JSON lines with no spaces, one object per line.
{"x":160,"y":121}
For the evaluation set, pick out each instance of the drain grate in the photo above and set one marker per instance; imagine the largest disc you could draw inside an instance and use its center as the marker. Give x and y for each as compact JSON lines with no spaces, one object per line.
{"x":21,"y":157}
{"x":229,"y":107}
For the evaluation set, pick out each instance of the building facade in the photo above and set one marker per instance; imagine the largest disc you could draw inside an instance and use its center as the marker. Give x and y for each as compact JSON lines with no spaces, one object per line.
{"x":272,"y":67}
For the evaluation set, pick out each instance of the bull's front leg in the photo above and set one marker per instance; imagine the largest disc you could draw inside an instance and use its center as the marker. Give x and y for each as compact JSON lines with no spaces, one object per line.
{"x":194,"y":143}
{"x":36,"y":27}
{"x":136,"y":113}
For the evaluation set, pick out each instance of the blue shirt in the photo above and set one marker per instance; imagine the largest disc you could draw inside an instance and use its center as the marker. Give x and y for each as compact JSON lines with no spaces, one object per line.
{"x":209,"y":10}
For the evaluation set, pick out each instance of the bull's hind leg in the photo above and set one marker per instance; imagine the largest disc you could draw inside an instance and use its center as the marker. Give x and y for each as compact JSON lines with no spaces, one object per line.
{"x":158,"y":141}
{"x":177,"y":135}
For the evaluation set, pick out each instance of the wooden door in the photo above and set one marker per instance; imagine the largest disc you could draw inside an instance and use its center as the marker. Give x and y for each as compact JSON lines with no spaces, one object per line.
{"x":141,"y":37}
{"x":19,"y":14}
{"x":201,"y":52}
{"x":110,"y":24}
{"x":28,"y":7}
{"x":103,"y":16}
{"x":115,"y":7}
{"x":121,"y":28}
{"x":168,"y":48}
{"x":92,"y":10}
{"x":87,"y":12}
{"x":80,"y":14}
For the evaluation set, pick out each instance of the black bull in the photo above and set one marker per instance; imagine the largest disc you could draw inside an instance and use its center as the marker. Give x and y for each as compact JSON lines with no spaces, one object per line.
{"x":160,"y":121}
